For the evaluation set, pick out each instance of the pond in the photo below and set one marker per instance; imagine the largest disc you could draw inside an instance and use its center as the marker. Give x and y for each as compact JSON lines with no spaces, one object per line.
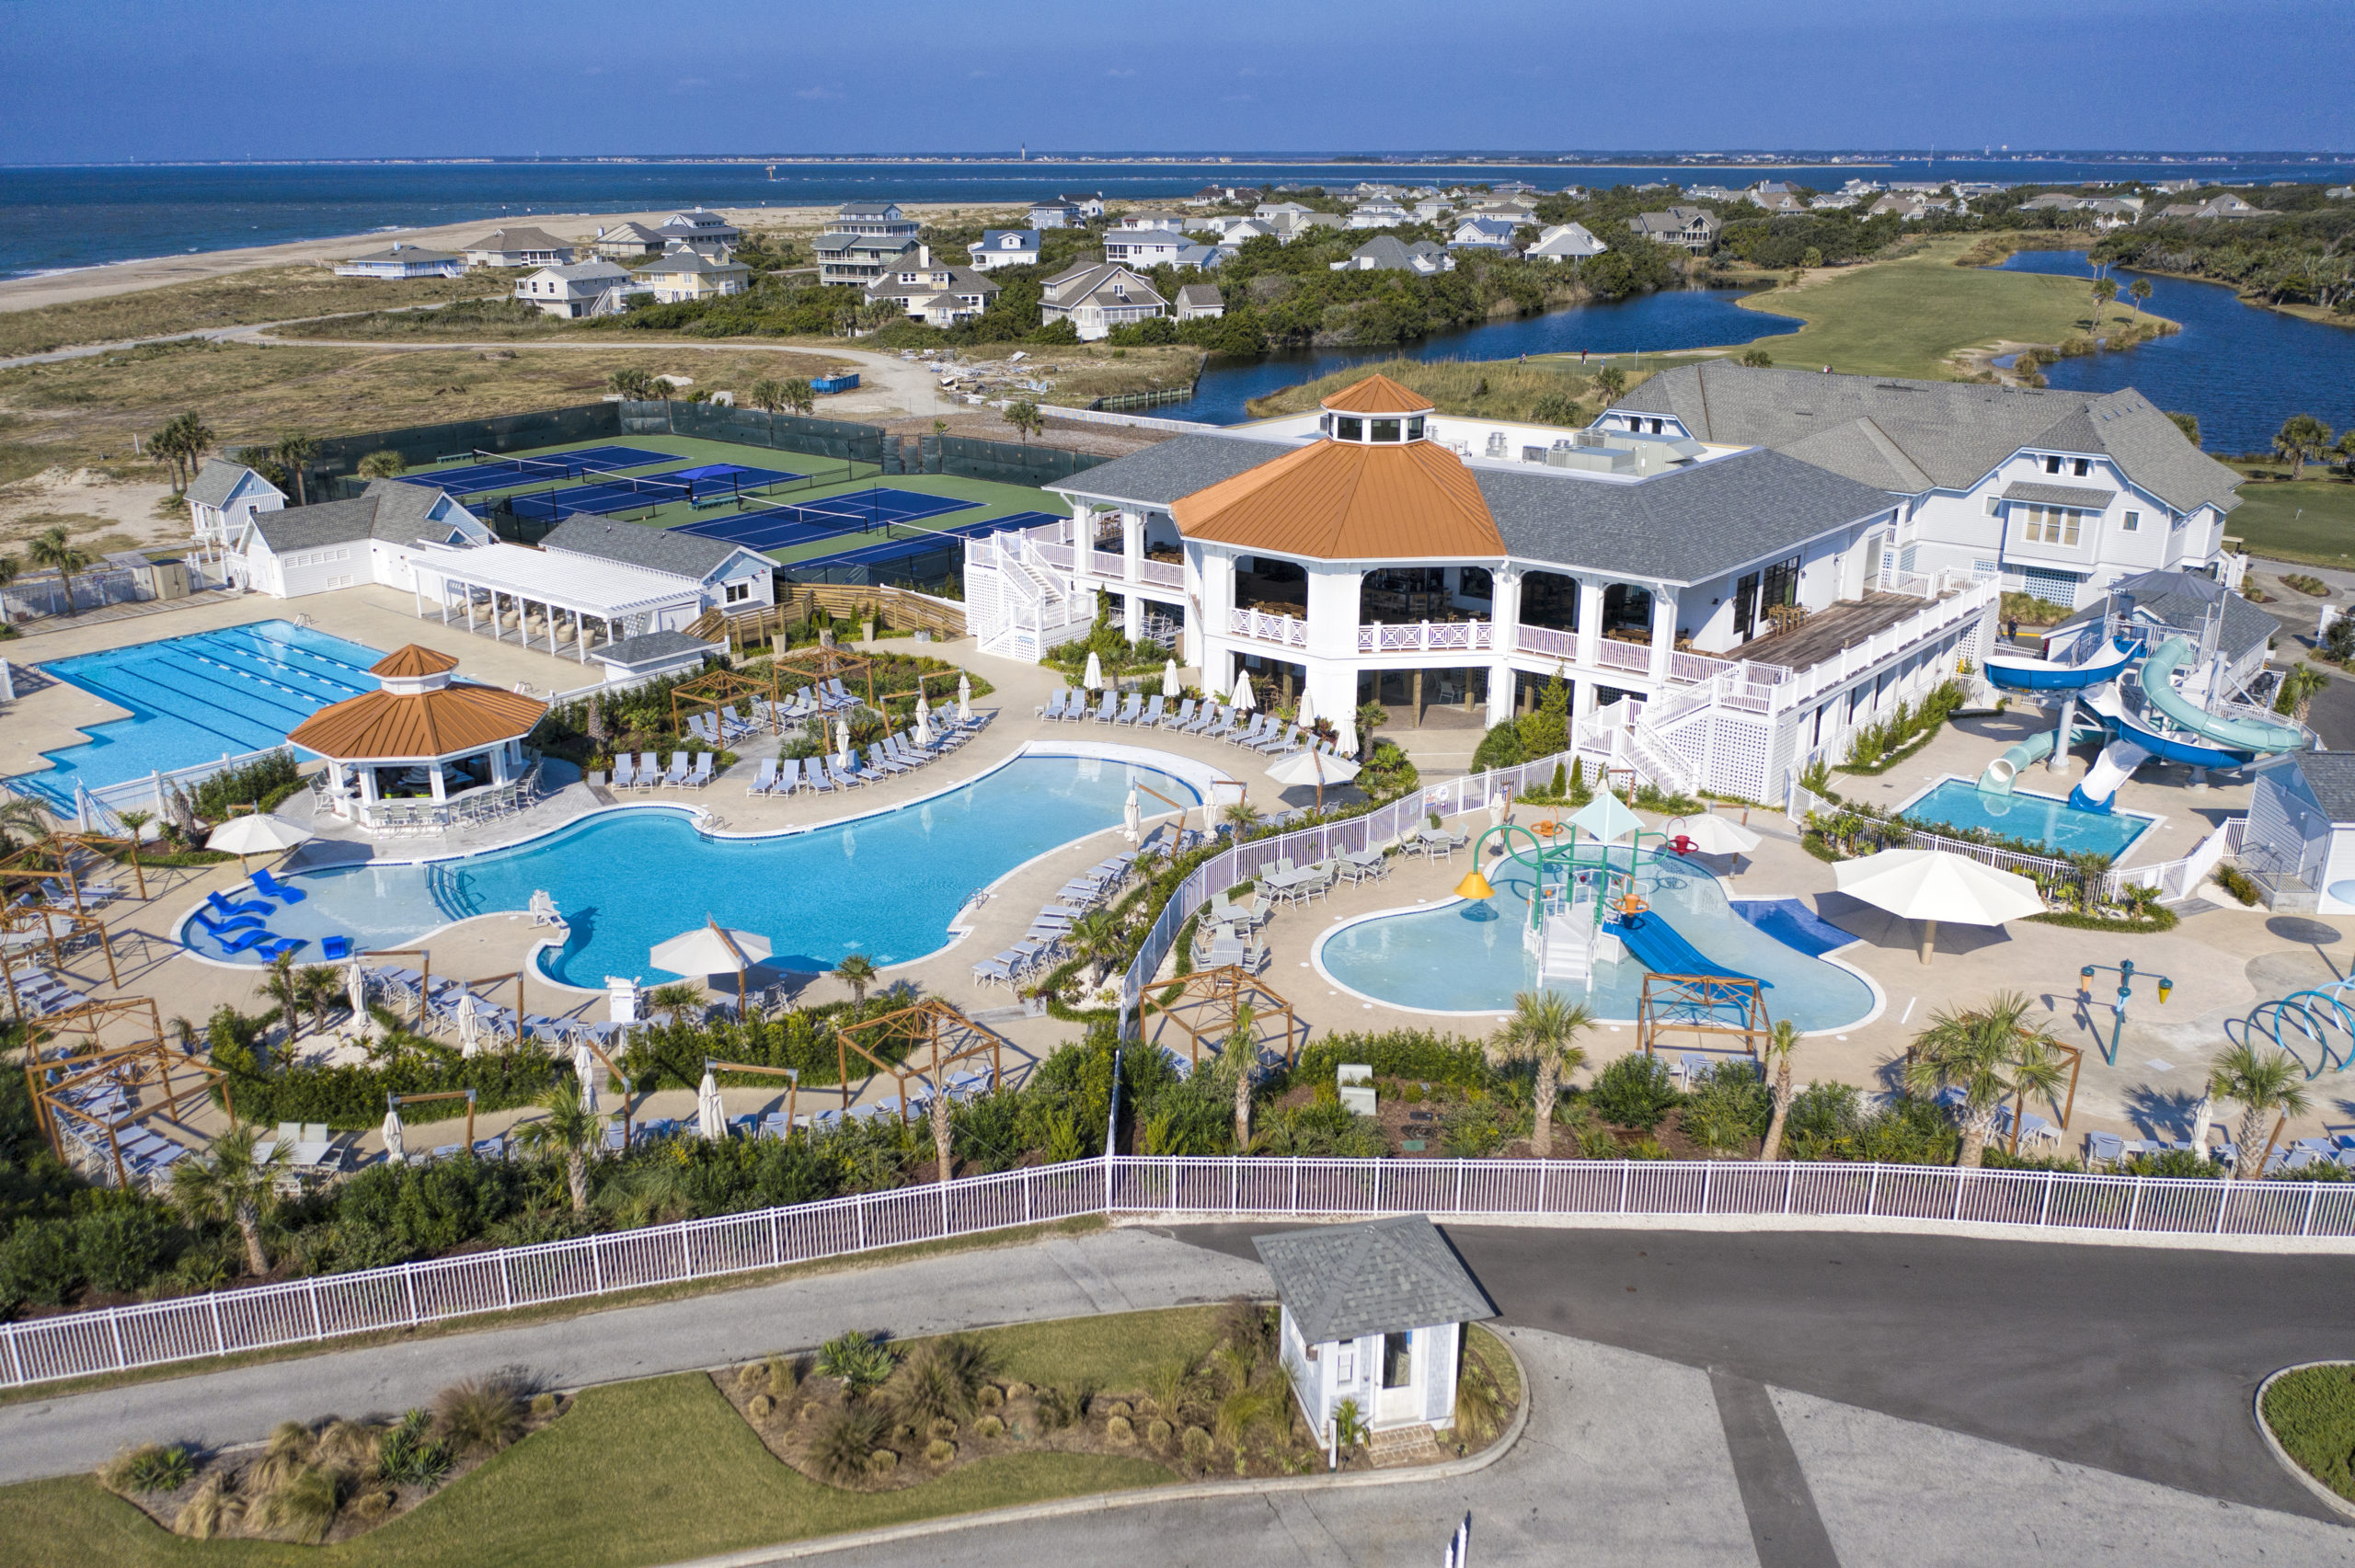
{"x":2242,"y":368}
{"x":1656,"y":323}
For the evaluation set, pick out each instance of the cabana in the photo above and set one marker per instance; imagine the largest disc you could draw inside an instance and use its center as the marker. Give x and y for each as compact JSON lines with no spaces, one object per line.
{"x":1206,"y":1004}
{"x":945,"y":1035}
{"x":584,"y":600}
{"x":423,"y":736}
{"x":82,"y":1099}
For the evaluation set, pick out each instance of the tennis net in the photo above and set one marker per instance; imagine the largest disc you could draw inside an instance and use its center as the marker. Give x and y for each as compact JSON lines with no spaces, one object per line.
{"x":532,"y":467}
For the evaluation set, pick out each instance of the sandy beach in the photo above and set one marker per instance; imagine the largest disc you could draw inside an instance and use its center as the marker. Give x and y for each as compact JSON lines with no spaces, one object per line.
{"x":126,"y":277}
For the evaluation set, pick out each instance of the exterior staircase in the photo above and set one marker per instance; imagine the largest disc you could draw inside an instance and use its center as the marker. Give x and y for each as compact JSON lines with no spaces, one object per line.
{"x":1018,"y":607}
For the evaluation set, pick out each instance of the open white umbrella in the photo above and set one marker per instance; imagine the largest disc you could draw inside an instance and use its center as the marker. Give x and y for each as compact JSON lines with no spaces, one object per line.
{"x":1931,"y":885}
{"x":711,"y":1117}
{"x":1132,"y":816}
{"x":1310,"y":766}
{"x":469,"y":1025}
{"x":1169,"y":678}
{"x":256,"y":833}
{"x":584,"y":1068}
{"x":1093,"y":679}
{"x":964,"y":699}
{"x":1713,"y":834}
{"x":711,"y":950}
{"x":394,"y":1149}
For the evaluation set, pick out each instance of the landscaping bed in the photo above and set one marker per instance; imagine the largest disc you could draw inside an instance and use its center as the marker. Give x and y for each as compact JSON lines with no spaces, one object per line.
{"x":2311,"y":1413}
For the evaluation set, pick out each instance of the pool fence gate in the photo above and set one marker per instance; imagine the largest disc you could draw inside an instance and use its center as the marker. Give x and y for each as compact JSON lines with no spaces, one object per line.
{"x":2049,"y":1205}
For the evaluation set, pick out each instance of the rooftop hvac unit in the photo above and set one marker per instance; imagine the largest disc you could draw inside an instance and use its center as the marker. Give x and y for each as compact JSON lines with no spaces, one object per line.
{"x":1496,"y":444}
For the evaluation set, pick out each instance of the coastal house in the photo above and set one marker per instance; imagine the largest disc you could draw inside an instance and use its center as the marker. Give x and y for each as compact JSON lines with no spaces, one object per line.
{"x":1384,"y":214}
{"x":1056,"y":214}
{"x":1147,"y":247}
{"x":582,"y":289}
{"x":1088,"y":204}
{"x":1096,"y":296}
{"x":857,"y":258}
{"x":1233,"y":229}
{"x":403,"y":261}
{"x":373,"y":537}
{"x":519,"y":247}
{"x":1566,"y":242}
{"x":2059,"y":494}
{"x":1200,"y":302}
{"x":222,"y":500}
{"x":688,"y":274}
{"x":878,"y":220}
{"x":2299,"y":845}
{"x":1514,"y":213}
{"x":705,"y":233}
{"x":935,"y":292}
{"x":1149,"y":220}
{"x":1005,"y":247}
{"x":1225,"y":195}
{"x":1482,"y":233}
{"x":629,"y":242}
{"x":1718,"y":611}
{"x":721,"y":574}
{"x":1388,"y":253}
{"x":1691,"y":228}
{"x":2225,"y":204}
{"x":1432,"y":210}
{"x":1276,"y":215}
{"x":1713,"y":193}
{"x":1292,"y":226}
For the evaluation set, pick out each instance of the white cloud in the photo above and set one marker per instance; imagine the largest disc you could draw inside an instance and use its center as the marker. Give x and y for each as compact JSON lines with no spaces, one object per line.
{"x":816,"y":93}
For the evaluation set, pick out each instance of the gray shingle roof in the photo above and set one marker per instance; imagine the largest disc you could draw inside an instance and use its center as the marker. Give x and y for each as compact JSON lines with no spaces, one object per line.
{"x":1687,"y":525}
{"x":1200,"y":296}
{"x":519,"y":239}
{"x":216,"y":481}
{"x":408,"y":255}
{"x":636,"y":544}
{"x":647,"y":647}
{"x":1160,"y":474}
{"x":2084,"y":495}
{"x":1952,"y":432}
{"x":686,"y":262}
{"x":1381,"y":1277}
{"x":2180,"y":599}
{"x":2331,"y":775}
{"x":390,"y":510}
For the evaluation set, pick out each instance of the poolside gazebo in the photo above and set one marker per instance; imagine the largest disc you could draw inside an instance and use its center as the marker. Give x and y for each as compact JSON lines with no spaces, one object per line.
{"x":421,"y":737}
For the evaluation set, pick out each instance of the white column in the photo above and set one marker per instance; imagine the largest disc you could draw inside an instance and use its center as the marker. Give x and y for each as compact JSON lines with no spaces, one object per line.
{"x":1663,"y":633}
{"x":581,"y":631}
{"x":470,"y":606}
{"x":433,"y":776}
{"x":1589,"y":621}
{"x":1505,"y":636}
{"x":1132,"y":544}
{"x":1131,"y":608}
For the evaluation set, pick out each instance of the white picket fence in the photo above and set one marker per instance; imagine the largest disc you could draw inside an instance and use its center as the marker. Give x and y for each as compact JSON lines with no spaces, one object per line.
{"x":2015,"y":1203}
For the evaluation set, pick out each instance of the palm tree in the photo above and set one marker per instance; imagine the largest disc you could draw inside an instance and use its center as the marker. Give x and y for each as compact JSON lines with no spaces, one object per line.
{"x":2105,"y":291}
{"x":281,"y":985}
{"x":1779,"y":1048}
{"x":1096,"y":936}
{"x":2302,"y":436}
{"x":632,"y":382}
{"x":1024,"y":416}
{"x":322,"y":986}
{"x":799,"y":395}
{"x":1991,"y":1053}
{"x":233,"y":1185}
{"x":1611,"y":381}
{"x":766,"y":394}
{"x":2261,"y":1083}
{"x":182,"y":444}
{"x":1543,"y":1027}
{"x":2138,"y":291}
{"x":857,"y":971}
{"x":1371,"y":717}
{"x":382,"y":464}
{"x":293,"y":450}
{"x":50,"y":552}
{"x":28,"y":818}
{"x":1238,"y":1064}
{"x":1241,"y":816}
{"x":677,"y":997}
{"x":571,"y":1131}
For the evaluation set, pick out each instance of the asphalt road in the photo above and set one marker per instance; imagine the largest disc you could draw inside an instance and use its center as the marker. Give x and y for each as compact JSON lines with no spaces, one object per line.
{"x":2140,"y":1362}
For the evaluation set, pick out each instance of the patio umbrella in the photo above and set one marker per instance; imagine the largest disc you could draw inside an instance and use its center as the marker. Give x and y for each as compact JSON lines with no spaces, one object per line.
{"x":584,"y":1068}
{"x":470,"y":1026}
{"x":1305,"y":713}
{"x":1495,"y":809}
{"x":1713,"y":834}
{"x":355,"y":990}
{"x":1931,"y":885}
{"x":964,"y":699}
{"x":1345,"y":732}
{"x":711,"y":1117}
{"x":1245,"y":697}
{"x":711,"y":950}
{"x":1132,"y":816}
{"x":1168,"y":677}
{"x":393,"y":1151}
{"x":842,"y":734}
{"x":923,"y":724}
{"x":255,"y":833}
{"x":1094,"y":680}
{"x":1309,"y":766}
{"x":2203,"y":1116}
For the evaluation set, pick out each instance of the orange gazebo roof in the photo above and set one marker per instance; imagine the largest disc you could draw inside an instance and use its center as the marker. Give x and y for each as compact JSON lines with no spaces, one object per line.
{"x":410,"y":662}
{"x":1377,"y":393}
{"x":414,"y":726}
{"x":1339,"y":500}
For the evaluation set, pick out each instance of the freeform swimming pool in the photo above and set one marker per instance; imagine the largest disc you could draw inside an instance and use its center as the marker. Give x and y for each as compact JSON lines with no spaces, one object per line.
{"x":2038,"y":818}
{"x":193,"y":698}
{"x":1466,"y":956}
{"x":886,"y":885}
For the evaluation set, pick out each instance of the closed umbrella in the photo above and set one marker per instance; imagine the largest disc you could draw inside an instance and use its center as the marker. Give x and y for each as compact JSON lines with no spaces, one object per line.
{"x":964,"y":699}
{"x":711,"y":1117}
{"x":394,"y":1149}
{"x":470,"y":1026}
{"x":711,"y":950}
{"x":1931,"y":885}
{"x":584,"y":1070}
{"x":1169,"y":678}
{"x":1496,"y":808}
{"x":1132,"y":816}
{"x":355,"y":990}
{"x":923,"y":724}
{"x":1245,"y":697}
{"x":1310,"y":766}
{"x":1345,"y":732}
{"x":1713,"y":834}
{"x":1306,"y":713}
{"x":2203,"y":1116}
{"x":842,"y":734}
{"x":256,"y":833}
{"x":1093,"y":679}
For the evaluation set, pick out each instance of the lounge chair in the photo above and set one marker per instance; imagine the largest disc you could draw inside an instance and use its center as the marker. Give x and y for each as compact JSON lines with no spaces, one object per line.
{"x":1054,"y":706}
{"x":882,"y":763}
{"x":1182,"y":717}
{"x":649,"y":770}
{"x":1132,"y":706}
{"x":676,"y":777}
{"x":788,"y":776}
{"x":625,"y":776}
{"x":763,"y":777}
{"x":837,"y":697}
{"x":814,"y":775}
{"x":267,"y":883}
{"x":1151,"y":717}
{"x":702,"y":774}
{"x":224,"y":927}
{"x":220,"y":904}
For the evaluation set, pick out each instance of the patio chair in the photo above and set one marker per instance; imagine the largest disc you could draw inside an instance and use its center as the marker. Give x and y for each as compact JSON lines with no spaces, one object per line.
{"x":1151,"y":717}
{"x":881,"y":763}
{"x":1279,"y":742}
{"x":266,"y":884}
{"x":814,"y":777}
{"x":649,"y":770}
{"x":224,"y":927}
{"x":220,"y":904}
{"x":1054,"y":706}
{"x":763,"y":777}
{"x":838,"y":698}
{"x":675,"y":777}
{"x":624,"y":775}
{"x":702,"y":774}
{"x":1182,"y":717}
{"x":1134,"y":706}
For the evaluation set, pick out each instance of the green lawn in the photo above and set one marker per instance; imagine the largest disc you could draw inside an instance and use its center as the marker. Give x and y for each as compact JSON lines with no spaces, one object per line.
{"x":1910,"y":317}
{"x":2309,"y":520}
{"x":2312,"y":1412}
{"x":645,"y":1473}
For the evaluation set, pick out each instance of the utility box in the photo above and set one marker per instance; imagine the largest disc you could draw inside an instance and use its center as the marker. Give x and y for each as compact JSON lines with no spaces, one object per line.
{"x":1354,"y":1073}
{"x":171,"y":579}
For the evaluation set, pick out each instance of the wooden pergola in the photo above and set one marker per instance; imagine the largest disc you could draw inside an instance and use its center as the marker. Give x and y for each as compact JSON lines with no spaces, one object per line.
{"x":424,"y":968}
{"x":92,"y":1017}
{"x":136,"y":1065}
{"x":51,"y":859}
{"x":818,"y":665}
{"x":28,"y":926}
{"x":1705,"y":1005}
{"x":1207,"y":1005}
{"x":718,"y":689}
{"x":792,"y":1075}
{"x":946,"y":1035}
{"x":394,"y":1103}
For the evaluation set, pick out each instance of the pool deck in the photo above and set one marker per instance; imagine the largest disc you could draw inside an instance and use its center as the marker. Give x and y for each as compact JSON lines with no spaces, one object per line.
{"x":2224,"y":959}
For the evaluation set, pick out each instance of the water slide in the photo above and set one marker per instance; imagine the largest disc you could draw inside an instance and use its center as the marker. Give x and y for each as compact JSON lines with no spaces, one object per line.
{"x":2001,"y":772}
{"x":2174,"y":728}
{"x":2013,"y":672}
{"x":1658,"y":948}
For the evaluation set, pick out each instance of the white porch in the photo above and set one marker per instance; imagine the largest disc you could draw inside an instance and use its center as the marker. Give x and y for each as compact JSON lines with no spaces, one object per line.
{"x":579,"y":603}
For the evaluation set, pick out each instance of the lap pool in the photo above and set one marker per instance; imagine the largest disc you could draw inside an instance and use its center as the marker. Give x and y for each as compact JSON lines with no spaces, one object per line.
{"x":1466,"y":957}
{"x":886,"y":885}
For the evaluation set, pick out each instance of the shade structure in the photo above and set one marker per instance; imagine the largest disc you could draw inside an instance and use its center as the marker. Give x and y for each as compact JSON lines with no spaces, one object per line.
{"x":1169,"y":678}
{"x":256,"y":833}
{"x":394,"y":1150}
{"x":1245,"y":698}
{"x":1093,"y":679}
{"x":1310,"y":766}
{"x":710,"y":949}
{"x":1713,"y":834}
{"x":1132,"y":816}
{"x":711,"y":1117}
{"x":964,"y":699}
{"x":584,"y":1070}
{"x":1931,"y":885}
{"x":1606,"y":818}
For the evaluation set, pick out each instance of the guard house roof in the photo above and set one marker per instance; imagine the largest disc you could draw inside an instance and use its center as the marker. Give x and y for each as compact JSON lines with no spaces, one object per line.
{"x":2331,"y":775}
{"x":2182,"y":601}
{"x":1377,"y":393}
{"x":1341,"y":500}
{"x":1383,"y":1276}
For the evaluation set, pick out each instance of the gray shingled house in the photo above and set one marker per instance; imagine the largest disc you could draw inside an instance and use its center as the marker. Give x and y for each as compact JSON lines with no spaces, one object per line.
{"x":1373,"y":1313}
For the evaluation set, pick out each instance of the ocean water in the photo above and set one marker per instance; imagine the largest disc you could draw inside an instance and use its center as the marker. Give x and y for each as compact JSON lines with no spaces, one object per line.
{"x":61,"y":217}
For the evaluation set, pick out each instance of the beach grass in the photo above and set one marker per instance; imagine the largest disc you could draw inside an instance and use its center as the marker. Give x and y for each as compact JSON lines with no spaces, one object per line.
{"x":239,"y":299}
{"x":1495,"y":389}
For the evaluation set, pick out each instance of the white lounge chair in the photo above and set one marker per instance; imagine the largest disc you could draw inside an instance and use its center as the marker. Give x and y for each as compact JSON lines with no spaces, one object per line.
{"x":1182,"y":717}
{"x":675,"y":777}
{"x":702,"y":774}
{"x":625,"y":774}
{"x":763,"y":777}
{"x":1054,"y":706}
{"x":1151,"y":717}
{"x":1130,"y":709}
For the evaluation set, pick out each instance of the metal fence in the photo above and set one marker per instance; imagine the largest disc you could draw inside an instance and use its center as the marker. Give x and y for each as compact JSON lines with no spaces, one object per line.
{"x":421,"y":446}
{"x":412,"y":1295}
{"x":836,"y":439}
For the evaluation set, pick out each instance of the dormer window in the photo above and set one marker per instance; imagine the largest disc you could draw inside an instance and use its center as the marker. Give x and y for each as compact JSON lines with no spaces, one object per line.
{"x":2084,"y":466}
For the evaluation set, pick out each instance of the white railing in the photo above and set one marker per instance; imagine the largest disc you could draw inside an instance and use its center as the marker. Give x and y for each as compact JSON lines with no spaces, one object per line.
{"x":2177,"y":879}
{"x":1548,"y":641}
{"x":1141,"y":421}
{"x":146,"y":794}
{"x":1108,"y":563}
{"x":1426,"y":636}
{"x":1613,"y":654}
{"x":1291,"y":631}
{"x":1937,"y":618}
{"x":1161,"y":574}
{"x":1053,"y":554}
{"x":327,"y":1307}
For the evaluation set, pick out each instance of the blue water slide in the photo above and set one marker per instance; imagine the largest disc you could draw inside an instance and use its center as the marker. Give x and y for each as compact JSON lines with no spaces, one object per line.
{"x":2189,"y":733}
{"x":1658,"y":948}
{"x":2012,"y":672}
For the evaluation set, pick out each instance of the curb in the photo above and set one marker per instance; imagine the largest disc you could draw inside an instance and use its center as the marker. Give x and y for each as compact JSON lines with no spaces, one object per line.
{"x":1104,"y":1501}
{"x":2299,"y":1472}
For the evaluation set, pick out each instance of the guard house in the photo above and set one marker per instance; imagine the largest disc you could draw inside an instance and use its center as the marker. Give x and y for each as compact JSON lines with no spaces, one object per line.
{"x":1373,"y":1313}
{"x":421,"y":738}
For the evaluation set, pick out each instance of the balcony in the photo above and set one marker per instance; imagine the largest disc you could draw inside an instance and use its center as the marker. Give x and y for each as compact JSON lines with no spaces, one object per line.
{"x":1634,"y":658}
{"x":1161,"y":574}
{"x":1284,"y":631}
{"x":1108,"y":563}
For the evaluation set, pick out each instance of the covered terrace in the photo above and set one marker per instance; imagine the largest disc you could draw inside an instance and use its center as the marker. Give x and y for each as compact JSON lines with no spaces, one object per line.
{"x":553,"y":598}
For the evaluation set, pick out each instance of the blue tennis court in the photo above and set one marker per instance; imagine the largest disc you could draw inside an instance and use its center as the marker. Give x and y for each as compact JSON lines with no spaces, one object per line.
{"x":779,"y":527}
{"x":506,"y":473}
{"x":715,"y":482}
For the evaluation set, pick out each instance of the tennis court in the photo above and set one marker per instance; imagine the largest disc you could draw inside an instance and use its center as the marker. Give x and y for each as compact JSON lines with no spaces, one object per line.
{"x":712,"y":482}
{"x":494,"y":473}
{"x":778,"y":527}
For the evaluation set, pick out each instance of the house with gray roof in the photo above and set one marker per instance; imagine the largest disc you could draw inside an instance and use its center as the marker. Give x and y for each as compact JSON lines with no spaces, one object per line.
{"x":375,"y":536}
{"x":1198,"y":302}
{"x":2299,"y":845}
{"x":522,"y":246}
{"x":2060,"y":493}
{"x":934,"y":291}
{"x":650,"y":654}
{"x":1691,"y":228}
{"x":629,"y":242}
{"x":582,"y":289}
{"x":688,"y":274}
{"x":857,"y":258}
{"x":1372,"y":1315}
{"x":1567,"y":242}
{"x":402,"y":260}
{"x":222,"y":499}
{"x":728,"y":575}
{"x":1096,"y":296}
{"x":1005,"y":247}
{"x":1388,"y":253}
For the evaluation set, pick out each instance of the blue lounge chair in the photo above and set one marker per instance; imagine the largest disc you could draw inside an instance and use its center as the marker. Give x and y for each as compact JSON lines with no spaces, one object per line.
{"x":220,"y":904}
{"x":335,"y":947}
{"x":224,"y":927}
{"x":266,"y":884}
{"x":257,"y":937}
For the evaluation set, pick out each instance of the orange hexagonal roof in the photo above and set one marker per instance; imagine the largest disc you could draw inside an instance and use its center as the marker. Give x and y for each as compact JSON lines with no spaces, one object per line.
{"x":1377,"y":393}
{"x":1339,"y":500}
{"x":413,"y":662}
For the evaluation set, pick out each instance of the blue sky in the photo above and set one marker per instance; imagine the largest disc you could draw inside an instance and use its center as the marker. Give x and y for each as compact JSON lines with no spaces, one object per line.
{"x":99,"y":80}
